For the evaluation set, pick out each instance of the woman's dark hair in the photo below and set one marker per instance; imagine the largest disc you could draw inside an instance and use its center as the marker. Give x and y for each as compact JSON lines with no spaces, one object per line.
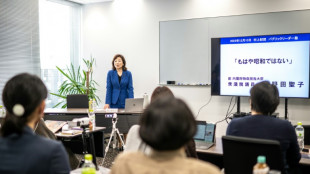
{"x":161,"y":91}
{"x":123,"y":59}
{"x":264,"y":98}
{"x":24,"y":89}
{"x":167,"y":124}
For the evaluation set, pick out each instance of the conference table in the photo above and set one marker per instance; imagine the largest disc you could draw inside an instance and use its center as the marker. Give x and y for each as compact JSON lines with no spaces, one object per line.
{"x":88,"y":137}
{"x":103,"y":119}
{"x":215,"y":155}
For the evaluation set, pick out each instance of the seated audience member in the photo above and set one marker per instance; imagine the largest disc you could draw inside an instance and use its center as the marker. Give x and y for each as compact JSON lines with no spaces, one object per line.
{"x":134,"y":142}
{"x":43,"y":130}
{"x":166,"y":125}
{"x":22,"y":151}
{"x":264,"y":100}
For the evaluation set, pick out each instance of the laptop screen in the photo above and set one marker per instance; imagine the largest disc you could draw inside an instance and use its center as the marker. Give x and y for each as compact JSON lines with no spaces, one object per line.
{"x":201,"y":132}
{"x":210,"y":128}
{"x":205,"y":131}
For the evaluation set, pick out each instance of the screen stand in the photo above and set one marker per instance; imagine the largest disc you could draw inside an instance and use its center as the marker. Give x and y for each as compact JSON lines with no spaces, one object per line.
{"x":238,"y":113}
{"x":285,"y":109}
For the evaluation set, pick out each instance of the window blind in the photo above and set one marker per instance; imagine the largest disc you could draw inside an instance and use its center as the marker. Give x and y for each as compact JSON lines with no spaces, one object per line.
{"x":19,"y":39}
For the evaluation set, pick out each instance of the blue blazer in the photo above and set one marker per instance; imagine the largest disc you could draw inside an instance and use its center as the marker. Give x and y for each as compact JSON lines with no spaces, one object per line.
{"x":118,"y":92}
{"x":32,"y":154}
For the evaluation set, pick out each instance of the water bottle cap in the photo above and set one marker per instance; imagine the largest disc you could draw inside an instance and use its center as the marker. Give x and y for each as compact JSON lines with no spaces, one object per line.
{"x":88,"y":157}
{"x":261,"y":159}
{"x":299,"y":123}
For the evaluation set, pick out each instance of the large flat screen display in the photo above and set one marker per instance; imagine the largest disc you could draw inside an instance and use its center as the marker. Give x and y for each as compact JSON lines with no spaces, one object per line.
{"x":238,"y":63}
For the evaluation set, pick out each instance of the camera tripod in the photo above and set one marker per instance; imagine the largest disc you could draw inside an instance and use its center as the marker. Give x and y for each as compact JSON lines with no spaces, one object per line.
{"x":84,"y":136}
{"x":114,"y":133}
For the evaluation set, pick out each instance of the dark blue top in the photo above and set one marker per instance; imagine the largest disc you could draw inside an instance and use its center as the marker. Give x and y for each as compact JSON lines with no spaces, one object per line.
{"x":118,"y":91}
{"x":268,"y":127}
{"x":32,"y":154}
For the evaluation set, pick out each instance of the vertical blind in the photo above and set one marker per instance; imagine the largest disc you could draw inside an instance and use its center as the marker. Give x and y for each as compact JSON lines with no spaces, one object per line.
{"x":19,"y":39}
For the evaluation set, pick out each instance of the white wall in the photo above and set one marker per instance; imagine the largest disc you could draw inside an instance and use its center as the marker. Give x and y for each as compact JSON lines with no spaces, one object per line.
{"x":131,"y":27}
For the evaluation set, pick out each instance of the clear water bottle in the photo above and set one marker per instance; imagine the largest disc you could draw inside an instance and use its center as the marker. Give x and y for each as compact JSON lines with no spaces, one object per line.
{"x":261,"y":167}
{"x":145,"y":100}
{"x":91,"y":115}
{"x":2,"y":111}
{"x":88,"y":167}
{"x":300,"y":135}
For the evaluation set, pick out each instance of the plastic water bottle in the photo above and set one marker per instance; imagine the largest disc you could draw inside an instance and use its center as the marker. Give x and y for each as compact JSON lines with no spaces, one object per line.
{"x":91,"y":115}
{"x":88,"y":167}
{"x":300,"y":135}
{"x":2,"y":111}
{"x":145,"y":100}
{"x":261,"y":167}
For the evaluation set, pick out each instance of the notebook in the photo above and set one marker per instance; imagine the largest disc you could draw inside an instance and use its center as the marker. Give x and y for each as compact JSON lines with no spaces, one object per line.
{"x":205,"y":135}
{"x":134,"y":104}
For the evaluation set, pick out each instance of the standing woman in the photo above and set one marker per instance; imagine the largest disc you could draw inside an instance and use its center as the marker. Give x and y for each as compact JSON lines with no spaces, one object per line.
{"x":22,"y":151}
{"x":119,"y":84}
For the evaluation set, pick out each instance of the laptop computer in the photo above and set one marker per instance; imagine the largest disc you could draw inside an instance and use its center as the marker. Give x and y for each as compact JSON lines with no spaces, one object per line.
{"x":205,"y":135}
{"x":134,"y":104}
{"x":77,"y":101}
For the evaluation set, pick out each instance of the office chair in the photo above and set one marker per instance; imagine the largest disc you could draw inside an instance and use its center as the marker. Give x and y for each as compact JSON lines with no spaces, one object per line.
{"x":240,"y":154}
{"x":77,"y":101}
{"x":307,"y":134}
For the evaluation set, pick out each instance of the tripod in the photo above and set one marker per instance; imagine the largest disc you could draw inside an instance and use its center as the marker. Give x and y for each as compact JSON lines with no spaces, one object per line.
{"x":84,"y":136}
{"x":114,"y":133}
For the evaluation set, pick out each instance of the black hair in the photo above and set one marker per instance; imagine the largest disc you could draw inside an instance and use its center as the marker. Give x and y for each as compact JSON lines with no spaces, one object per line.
{"x":161,"y":91}
{"x":167,"y":124}
{"x":264,"y":98}
{"x":24,"y":89}
{"x":123,"y":59}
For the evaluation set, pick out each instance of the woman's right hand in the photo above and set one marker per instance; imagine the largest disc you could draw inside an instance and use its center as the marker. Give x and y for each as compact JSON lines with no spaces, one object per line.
{"x":106,"y":106}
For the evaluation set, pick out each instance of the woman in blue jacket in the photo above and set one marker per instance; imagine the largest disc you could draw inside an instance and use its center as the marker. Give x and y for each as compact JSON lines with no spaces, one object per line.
{"x":119,"y":84}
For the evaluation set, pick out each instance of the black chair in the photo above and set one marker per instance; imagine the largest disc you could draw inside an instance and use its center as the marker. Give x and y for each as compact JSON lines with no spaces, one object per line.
{"x":77,"y":101}
{"x":240,"y":154}
{"x":307,"y":134}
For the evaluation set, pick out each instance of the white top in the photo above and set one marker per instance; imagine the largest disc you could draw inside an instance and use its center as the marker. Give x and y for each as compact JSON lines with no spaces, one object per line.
{"x":134,"y":142}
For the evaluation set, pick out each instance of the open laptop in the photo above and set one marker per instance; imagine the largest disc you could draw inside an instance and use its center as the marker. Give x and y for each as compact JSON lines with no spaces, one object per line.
{"x":134,"y":104}
{"x":205,"y":135}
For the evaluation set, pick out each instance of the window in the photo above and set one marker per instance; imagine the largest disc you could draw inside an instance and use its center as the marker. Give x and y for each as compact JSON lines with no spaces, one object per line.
{"x":60,"y":23}
{"x":19,"y":39}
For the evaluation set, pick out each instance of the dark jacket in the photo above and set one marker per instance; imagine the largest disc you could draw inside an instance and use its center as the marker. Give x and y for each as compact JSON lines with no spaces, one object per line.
{"x":268,"y":127}
{"x":32,"y":154}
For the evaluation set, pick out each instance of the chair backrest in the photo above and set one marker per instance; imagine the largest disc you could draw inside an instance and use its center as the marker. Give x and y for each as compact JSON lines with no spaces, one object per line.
{"x":77,"y":101}
{"x":240,"y":154}
{"x":307,"y":134}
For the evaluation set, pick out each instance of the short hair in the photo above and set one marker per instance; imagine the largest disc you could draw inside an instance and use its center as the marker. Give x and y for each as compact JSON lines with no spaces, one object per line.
{"x":161,"y":91}
{"x":264,"y":98}
{"x":123,"y":59}
{"x":167,"y":124}
{"x":28,"y":91}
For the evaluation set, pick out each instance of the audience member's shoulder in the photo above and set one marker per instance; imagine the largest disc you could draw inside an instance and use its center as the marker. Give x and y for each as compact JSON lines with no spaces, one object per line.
{"x":129,"y":156}
{"x":203,"y":167}
{"x":134,"y":128}
{"x":46,"y":142}
{"x":240,"y":119}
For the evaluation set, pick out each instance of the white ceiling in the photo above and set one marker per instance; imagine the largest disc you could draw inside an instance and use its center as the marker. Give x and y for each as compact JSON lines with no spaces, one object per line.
{"x":89,"y":1}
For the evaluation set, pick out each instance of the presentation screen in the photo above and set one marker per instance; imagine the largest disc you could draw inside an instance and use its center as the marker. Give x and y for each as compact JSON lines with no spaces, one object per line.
{"x":238,"y":63}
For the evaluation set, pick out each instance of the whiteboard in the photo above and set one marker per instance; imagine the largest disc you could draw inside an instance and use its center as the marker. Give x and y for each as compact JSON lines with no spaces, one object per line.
{"x":184,"y":52}
{"x":184,"y":45}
